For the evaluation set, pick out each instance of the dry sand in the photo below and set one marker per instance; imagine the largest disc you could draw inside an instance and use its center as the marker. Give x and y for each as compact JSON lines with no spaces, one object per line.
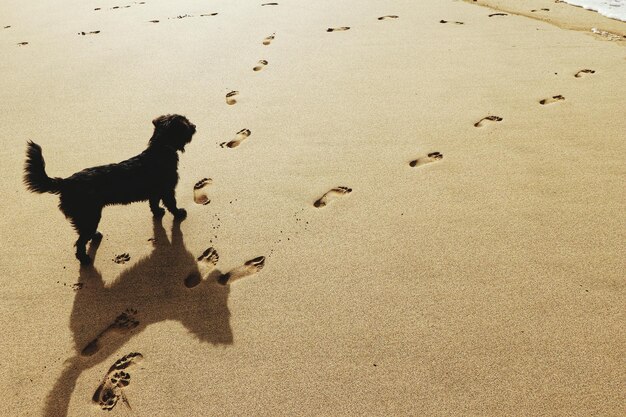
{"x":486,"y":280}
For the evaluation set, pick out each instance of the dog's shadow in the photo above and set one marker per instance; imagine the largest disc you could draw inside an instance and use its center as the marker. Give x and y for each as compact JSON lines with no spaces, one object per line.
{"x":105,"y":317}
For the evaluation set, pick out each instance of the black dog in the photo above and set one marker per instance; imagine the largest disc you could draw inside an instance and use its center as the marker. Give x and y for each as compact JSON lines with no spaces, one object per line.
{"x":152,"y":175}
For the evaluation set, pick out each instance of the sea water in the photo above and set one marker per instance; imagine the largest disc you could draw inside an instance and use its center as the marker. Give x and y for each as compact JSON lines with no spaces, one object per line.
{"x":615,"y":9}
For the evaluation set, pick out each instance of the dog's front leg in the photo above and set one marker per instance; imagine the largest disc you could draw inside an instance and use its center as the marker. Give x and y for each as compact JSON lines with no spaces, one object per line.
{"x":157,"y":211}
{"x":169,"y":199}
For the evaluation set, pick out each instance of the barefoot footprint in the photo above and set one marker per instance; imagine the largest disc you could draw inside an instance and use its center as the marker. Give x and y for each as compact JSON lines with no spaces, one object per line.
{"x":551,"y":100}
{"x":457,"y":23}
{"x":339,"y":29}
{"x":269,"y":39}
{"x":323,"y":200}
{"x":580,"y":73}
{"x":423,"y":160}
{"x":199,"y":194}
{"x":240,"y":137}
{"x":391,"y":16}
{"x":484,"y":120}
{"x":111,"y":390}
{"x":230,"y":97}
{"x":249,"y":268}
{"x":206,"y":262}
{"x":262,"y":63}
{"x":125,"y":322}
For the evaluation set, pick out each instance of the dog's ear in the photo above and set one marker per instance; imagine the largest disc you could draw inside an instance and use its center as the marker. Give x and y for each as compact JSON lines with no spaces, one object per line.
{"x":162,"y":121}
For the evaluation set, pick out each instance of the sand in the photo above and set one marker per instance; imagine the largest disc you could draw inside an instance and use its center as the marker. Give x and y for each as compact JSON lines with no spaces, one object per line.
{"x":475,"y":267}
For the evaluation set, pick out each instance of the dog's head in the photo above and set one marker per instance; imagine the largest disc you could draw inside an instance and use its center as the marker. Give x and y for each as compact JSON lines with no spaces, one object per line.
{"x":172,"y":131}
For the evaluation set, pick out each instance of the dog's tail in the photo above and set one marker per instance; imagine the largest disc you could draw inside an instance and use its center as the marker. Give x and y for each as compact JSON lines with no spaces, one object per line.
{"x":35,"y":177}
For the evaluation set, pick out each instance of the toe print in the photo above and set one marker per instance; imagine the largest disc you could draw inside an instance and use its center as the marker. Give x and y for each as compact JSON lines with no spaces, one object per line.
{"x":121,"y":259}
{"x":423,"y":160}
{"x":199,"y":191}
{"x":337,"y":191}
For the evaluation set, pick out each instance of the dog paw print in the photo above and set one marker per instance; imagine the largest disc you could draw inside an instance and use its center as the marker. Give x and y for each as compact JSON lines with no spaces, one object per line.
{"x":121,"y":259}
{"x":120,"y":379}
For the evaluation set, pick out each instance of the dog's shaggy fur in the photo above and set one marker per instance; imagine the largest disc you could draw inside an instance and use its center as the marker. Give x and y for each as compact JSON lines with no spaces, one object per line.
{"x":152,"y":175}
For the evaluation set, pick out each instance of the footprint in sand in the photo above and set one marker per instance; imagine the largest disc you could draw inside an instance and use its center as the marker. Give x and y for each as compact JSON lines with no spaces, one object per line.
{"x":208,"y":14}
{"x":580,"y":73}
{"x":390,"y":16}
{"x":199,"y":194}
{"x":111,"y":390}
{"x":206,"y":263}
{"x":339,"y":29}
{"x":269,"y":39}
{"x":124,"y":323}
{"x":337,"y":191}
{"x":6,"y":27}
{"x":423,"y":160}
{"x":482,"y":122}
{"x":93,"y":32}
{"x":456,"y":23}
{"x":230,"y":97}
{"x":154,"y":21}
{"x":262,"y":63}
{"x":269,"y":4}
{"x":539,"y":10}
{"x":121,"y":259}
{"x":551,"y":100}
{"x":240,"y":137}
{"x":22,"y":43}
{"x":498,"y":14}
{"x":249,"y":268}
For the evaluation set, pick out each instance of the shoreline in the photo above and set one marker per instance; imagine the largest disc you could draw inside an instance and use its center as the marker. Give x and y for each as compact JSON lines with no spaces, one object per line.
{"x":563,"y":15}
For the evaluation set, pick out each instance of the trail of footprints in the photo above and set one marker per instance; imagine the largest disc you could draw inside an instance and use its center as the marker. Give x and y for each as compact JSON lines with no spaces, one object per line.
{"x":111,"y":390}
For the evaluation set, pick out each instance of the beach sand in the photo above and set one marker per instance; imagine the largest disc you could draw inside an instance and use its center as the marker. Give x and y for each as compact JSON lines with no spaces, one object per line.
{"x":472,"y":265}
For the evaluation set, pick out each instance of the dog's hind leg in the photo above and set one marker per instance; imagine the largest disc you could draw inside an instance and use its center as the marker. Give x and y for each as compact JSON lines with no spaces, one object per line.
{"x":157,"y":211}
{"x":169,"y":200}
{"x":87,"y":228}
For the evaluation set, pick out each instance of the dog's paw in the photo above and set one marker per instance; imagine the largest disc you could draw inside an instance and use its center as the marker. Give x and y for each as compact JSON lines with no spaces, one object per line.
{"x":180,"y":214}
{"x":84,"y":259}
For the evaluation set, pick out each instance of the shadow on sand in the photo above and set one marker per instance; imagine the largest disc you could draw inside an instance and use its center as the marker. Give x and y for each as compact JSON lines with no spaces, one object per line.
{"x":104,"y":318}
